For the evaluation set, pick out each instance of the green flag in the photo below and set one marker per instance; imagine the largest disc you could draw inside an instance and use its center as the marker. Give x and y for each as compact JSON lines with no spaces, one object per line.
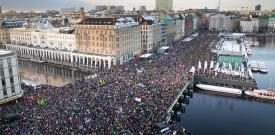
{"x":42,"y":101}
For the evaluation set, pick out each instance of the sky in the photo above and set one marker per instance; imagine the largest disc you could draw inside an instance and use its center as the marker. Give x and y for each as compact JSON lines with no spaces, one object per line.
{"x":41,"y":5}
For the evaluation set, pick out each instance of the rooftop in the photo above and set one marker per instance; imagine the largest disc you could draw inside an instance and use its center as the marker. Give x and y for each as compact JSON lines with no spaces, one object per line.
{"x":109,"y":21}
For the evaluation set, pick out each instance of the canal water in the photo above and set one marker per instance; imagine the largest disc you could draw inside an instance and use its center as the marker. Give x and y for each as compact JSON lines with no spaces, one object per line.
{"x":209,"y":114}
{"x":34,"y":73}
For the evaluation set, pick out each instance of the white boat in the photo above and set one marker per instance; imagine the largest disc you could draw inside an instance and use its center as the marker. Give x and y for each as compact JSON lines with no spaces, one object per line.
{"x":263,"y":94}
{"x":220,"y":89}
{"x":256,"y":43}
{"x":249,"y":51}
{"x":262,"y":67}
{"x":254,"y":66}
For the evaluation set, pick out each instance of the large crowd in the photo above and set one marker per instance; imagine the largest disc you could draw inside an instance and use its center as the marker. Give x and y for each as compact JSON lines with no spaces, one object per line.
{"x":128,"y":98}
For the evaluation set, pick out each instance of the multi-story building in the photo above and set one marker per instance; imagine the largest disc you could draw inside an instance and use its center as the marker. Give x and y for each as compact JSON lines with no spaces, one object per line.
{"x":249,"y":26}
{"x":55,"y":38}
{"x":263,"y":23}
{"x":164,"y":5}
{"x":182,"y":25}
{"x":220,"y":22}
{"x":68,"y":11}
{"x":188,"y":24}
{"x":101,"y":7}
{"x":5,"y":27}
{"x":114,"y":37}
{"x":10,"y":87}
{"x":178,"y":21}
{"x":150,"y":33}
{"x":271,"y":23}
{"x":21,"y":36}
{"x":196,"y":22}
{"x":168,"y":29}
{"x":142,"y":9}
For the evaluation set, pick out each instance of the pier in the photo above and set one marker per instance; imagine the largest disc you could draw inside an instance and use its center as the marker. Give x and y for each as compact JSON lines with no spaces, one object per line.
{"x":179,"y":100}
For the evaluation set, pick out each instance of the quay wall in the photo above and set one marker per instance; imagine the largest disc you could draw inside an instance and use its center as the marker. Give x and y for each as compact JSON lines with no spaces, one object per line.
{"x":180,"y":93}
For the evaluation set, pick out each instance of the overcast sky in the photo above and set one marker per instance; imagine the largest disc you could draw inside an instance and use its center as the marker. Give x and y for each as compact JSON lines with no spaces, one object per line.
{"x":40,"y":5}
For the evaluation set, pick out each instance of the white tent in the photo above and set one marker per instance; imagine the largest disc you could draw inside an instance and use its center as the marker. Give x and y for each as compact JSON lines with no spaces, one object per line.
{"x":205,"y":65}
{"x":199,"y":67}
{"x":192,"y":70}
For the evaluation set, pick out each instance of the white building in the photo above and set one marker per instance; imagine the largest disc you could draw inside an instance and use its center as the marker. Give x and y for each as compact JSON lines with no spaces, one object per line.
{"x":21,"y":36}
{"x":68,"y":11}
{"x":196,"y":20}
{"x":61,"y":38}
{"x":220,"y":22}
{"x":249,"y":26}
{"x":150,"y":34}
{"x":10,"y":88}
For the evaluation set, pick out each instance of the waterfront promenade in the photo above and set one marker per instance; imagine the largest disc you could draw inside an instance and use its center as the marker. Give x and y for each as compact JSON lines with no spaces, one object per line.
{"x":132,"y":97}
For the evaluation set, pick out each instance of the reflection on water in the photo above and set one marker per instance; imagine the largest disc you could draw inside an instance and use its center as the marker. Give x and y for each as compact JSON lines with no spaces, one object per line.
{"x":42,"y":73}
{"x":209,"y":114}
{"x":265,"y":52}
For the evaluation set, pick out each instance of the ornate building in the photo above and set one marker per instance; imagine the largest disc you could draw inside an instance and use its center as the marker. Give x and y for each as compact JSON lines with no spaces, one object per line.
{"x":118,"y":38}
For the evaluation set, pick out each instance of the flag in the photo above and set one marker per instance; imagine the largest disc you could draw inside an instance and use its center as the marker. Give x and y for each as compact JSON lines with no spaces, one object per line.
{"x":42,"y":101}
{"x":113,"y":132}
{"x":102,"y":82}
{"x":205,"y":65}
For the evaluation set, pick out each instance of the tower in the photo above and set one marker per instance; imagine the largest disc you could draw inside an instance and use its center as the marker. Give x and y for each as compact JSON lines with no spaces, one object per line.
{"x":82,"y":14}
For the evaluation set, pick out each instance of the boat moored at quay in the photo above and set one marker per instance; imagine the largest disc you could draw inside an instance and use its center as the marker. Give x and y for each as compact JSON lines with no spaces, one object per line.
{"x":268,"y":94}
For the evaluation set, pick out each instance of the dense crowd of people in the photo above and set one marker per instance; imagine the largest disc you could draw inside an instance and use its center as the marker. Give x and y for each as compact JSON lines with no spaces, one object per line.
{"x":128,"y":98}
{"x":210,"y":73}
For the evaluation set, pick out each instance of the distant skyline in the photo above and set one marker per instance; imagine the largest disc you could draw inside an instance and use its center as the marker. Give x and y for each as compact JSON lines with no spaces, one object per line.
{"x":42,"y":5}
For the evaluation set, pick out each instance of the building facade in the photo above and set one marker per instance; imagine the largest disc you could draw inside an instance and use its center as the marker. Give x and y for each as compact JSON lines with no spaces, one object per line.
{"x":178,"y":21}
{"x":188,"y":24}
{"x":68,"y":11}
{"x":271,"y":23}
{"x":5,"y":27}
{"x":118,"y":38}
{"x":168,"y":29}
{"x":249,"y":26}
{"x":61,"y":38}
{"x":220,"y":22}
{"x":263,"y":23}
{"x":150,"y":34}
{"x":10,"y":87}
{"x":164,"y":5}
